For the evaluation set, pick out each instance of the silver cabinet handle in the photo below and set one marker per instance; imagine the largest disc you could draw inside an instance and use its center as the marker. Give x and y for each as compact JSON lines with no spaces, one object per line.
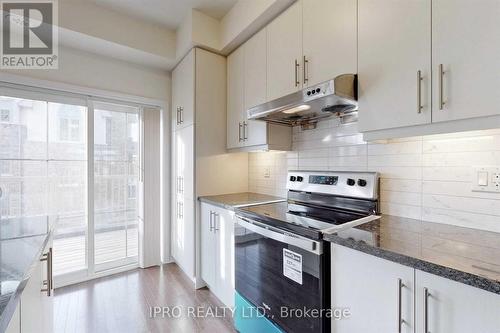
{"x":216,"y":219}
{"x":419,"y":91}
{"x":181,"y":114}
{"x":441,"y":78}
{"x":239,"y":132}
{"x":211,"y":220}
{"x":245,"y":131}
{"x":297,"y":73}
{"x":304,"y":70}
{"x":177,"y":116}
{"x":49,"y":283}
{"x":426,"y":310}
{"x":400,"y":301}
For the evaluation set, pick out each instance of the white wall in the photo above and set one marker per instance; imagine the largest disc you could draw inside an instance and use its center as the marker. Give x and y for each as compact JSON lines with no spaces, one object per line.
{"x":93,"y":71}
{"x":426,"y":178}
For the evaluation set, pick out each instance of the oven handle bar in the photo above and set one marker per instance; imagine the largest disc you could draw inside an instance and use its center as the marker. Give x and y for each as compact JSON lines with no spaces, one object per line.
{"x":281,"y":236}
{"x":351,"y":224}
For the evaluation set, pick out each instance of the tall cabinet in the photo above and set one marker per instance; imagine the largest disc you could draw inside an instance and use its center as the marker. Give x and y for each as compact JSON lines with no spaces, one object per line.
{"x":200,"y":164}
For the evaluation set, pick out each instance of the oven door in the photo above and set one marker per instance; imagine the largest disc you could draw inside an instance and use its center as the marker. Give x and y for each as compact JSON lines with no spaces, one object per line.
{"x":283,"y":275}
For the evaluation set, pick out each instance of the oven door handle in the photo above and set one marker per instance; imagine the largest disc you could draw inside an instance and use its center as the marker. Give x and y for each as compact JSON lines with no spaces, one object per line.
{"x":281,"y":236}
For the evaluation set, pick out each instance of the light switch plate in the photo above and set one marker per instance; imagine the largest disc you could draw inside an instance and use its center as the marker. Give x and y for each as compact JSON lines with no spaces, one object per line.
{"x":267,"y":172}
{"x":486,"y":179}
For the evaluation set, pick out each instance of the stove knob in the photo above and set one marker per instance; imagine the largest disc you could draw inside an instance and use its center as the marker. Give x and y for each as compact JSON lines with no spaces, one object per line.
{"x":300,"y":178}
{"x":362,"y":182}
{"x":292,"y":178}
{"x":351,"y":182}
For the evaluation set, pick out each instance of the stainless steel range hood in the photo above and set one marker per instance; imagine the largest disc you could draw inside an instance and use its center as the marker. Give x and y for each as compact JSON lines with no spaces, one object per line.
{"x":337,"y":97}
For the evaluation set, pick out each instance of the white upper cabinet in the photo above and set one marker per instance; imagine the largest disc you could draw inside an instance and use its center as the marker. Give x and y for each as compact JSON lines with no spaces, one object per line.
{"x":466,"y":42}
{"x":235,"y":98}
{"x":454,"y":307}
{"x":255,"y":69}
{"x":329,"y":39}
{"x":284,"y":53}
{"x":255,"y":132}
{"x":394,"y":49}
{"x":183,"y":92}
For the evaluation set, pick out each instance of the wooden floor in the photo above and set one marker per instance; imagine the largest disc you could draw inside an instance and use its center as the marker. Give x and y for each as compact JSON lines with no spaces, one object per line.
{"x":121,"y":303}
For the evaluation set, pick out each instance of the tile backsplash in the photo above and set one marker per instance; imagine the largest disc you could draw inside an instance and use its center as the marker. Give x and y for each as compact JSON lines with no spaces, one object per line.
{"x":427,"y":177}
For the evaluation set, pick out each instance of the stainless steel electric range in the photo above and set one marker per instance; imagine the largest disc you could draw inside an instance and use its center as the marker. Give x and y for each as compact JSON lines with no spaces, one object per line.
{"x":282,"y":264}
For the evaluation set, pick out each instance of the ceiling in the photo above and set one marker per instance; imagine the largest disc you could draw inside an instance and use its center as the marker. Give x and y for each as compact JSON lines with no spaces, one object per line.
{"x":168,"y":13}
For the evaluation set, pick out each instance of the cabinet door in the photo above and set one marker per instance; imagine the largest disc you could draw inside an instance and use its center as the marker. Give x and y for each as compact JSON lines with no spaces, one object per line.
{"x":183,"y":92}
{"x":235,"y":97}
{"x":208,"y":245}
{"x":329,"y":38}
{"x":224,"y":226}
{"x":36,"y":307}
{"x":455,"y":307}
{"x":183,"y":235}
{"x":466,"y":41}
{"x":255,"y":50}
{"x":15,"y":322}
{"x":284,"y":53}
{"x":394,"y":40}
{"x":184,"y":161}
{"x":369,"y":287}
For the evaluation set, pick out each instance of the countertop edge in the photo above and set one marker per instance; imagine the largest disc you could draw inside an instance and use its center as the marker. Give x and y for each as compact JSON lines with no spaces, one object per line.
{"x":469,"y":279}
{"x":209,"y":200}
{"x":10,"y":308}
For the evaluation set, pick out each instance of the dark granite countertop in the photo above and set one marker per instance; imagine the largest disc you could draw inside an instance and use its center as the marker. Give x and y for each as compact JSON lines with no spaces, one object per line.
{"x":236,"y":200}
{"x":469,"y":256}
{"x":22,"y":241}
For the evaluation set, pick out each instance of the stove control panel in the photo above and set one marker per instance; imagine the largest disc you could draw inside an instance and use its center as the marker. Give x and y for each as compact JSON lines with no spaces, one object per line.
{"x":350,"y":184}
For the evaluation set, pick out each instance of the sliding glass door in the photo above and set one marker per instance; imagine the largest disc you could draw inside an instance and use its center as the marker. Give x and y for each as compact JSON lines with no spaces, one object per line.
{"x":116,"y":185}
{"x":77,"y":162}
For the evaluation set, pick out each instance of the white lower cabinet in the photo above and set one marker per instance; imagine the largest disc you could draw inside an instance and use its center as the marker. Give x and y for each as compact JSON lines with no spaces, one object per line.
{"x":454,"y":307}
{"x":369,"y":287}
{"x":34,"y":313}
{"x":217,"y":251}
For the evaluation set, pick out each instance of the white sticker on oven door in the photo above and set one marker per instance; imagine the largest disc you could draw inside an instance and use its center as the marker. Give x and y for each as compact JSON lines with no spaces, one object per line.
{"x":292,"y":265}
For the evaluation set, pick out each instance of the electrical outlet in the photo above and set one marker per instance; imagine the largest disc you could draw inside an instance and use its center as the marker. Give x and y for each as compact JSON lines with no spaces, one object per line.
{"x":486,"y":179}
{"x":267,"y":172}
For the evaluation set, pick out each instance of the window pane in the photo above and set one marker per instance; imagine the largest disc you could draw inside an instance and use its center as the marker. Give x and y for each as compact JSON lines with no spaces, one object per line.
{"x":67,"y":132}
{"x":116,"y":163}
{"x":24,"y":188}
{"x":67,"y":208}
{"x":23,"y":129}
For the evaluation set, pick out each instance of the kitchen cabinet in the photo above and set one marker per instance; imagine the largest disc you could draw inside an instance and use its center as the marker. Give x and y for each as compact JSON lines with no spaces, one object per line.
{"x":400,"y":94}
{"x":34,"y":312}
{"x":245,"y":87}
{"x":217,"y":239}
{"x":329,"y":35}
{"x":36,"y":306}
{"x":255,"y":85}
{"x":200,"y":163}
{"x":449,"y":306}
{"x":235,"y":98}
{"x":394,"y":63}
{"x":466,"y":42}
{"x":362,"y":283}
{"x":284,"y":53}
{"x":378,"y":293}
{"x":183,"y":77}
